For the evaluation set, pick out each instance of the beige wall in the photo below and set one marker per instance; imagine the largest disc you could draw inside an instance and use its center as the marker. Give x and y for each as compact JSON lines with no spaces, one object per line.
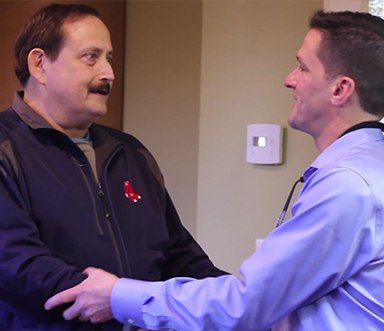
{"x":162,"y":87}
{"x":353,"y":5}
{"x":197,"y":73}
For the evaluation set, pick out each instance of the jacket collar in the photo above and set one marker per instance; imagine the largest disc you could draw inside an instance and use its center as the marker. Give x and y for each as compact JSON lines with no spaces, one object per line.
{"x":27,"y":114}
{"x":99,"y":135}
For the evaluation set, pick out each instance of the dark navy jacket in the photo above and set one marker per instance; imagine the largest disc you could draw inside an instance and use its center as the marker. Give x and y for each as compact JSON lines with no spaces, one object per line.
{"x":56,"y":218}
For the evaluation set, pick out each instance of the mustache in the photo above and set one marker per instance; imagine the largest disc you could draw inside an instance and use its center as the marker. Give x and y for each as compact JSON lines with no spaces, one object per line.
{"x":103,"y":88}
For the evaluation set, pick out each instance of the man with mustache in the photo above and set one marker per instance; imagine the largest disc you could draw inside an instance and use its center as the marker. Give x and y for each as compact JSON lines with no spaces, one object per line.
{"x":74,"y":193}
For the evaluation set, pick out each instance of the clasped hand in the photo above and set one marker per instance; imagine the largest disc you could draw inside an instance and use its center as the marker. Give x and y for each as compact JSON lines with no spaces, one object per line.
{"x":91,"y":298}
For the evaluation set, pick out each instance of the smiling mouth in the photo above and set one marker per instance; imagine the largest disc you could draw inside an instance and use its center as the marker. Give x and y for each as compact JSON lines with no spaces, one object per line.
{"x":102,"y":89}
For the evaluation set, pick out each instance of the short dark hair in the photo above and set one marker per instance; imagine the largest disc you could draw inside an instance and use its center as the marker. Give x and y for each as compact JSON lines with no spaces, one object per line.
{"x":353,"y":45}
{"x":44,"y":30}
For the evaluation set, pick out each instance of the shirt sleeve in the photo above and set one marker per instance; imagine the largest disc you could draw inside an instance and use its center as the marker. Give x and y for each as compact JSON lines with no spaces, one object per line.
{"x":128,"y":311}
{"x":327,"y":240}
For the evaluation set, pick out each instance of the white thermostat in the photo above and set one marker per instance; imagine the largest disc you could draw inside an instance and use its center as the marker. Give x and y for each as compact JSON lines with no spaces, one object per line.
{"x":264,"y":143}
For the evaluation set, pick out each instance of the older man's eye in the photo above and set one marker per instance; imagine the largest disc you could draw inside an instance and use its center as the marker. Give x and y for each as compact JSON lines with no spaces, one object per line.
{"x":90,"y":57}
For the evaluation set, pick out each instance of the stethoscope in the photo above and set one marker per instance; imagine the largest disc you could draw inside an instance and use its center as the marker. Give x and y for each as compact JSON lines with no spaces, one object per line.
{"x":370,"y":124}
{"x":281,"y":218}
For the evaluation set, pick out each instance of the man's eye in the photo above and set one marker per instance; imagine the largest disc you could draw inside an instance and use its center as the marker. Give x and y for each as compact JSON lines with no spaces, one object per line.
{"x":109,"y":58}
{"x":302,"y":68}
{"x":91,"y":57}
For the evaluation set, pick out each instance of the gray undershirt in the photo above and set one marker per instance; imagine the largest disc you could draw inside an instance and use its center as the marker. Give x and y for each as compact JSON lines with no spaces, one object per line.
{"x":85,"y":144}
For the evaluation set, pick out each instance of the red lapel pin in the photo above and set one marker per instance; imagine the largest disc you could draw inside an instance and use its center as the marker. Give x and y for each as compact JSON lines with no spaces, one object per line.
{"x":130,"y":192}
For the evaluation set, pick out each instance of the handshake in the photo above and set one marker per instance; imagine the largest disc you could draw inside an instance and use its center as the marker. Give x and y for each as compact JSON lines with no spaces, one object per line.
{"x":91,"y":298}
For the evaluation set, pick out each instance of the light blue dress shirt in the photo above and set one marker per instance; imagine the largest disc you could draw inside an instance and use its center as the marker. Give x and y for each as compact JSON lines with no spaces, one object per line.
{"x":322,"y":270}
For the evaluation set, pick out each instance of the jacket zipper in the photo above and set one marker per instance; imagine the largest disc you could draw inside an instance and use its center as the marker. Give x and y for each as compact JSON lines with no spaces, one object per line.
{"x":101,"y":195}
{"x":123,"y":261}
{"x":94,"y":208}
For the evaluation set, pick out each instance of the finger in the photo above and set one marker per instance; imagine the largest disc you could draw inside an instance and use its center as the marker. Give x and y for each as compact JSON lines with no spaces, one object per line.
{"x":74,"y":311}
{"x":62,"y":297}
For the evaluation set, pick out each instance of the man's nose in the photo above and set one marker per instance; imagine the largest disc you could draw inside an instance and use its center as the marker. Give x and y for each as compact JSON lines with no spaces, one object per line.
{"x":290,"y":80}
{"x":106,"y":71}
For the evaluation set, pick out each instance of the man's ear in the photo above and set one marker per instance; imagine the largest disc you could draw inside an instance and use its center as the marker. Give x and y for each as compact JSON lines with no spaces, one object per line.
{"x":342,"y":90}
{"x":36,"y":58}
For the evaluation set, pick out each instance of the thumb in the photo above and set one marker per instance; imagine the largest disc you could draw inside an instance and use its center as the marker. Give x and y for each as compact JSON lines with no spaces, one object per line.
{"x":89,"y":270}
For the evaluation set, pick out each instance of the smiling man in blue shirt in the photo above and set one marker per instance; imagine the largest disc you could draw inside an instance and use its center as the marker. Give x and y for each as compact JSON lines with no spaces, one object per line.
{"x":323,"y":268}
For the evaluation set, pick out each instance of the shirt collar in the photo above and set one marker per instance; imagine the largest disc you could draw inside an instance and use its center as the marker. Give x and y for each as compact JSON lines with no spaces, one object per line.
{"x":343,"y":146}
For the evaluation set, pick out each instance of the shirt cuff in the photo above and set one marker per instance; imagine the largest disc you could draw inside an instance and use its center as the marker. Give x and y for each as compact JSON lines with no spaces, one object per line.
{"x":127,"y":300}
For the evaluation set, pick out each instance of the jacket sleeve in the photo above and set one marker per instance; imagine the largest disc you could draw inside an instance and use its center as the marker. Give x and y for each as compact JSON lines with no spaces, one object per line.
{"x":185,"y":257}
{"x":29,"y":274}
